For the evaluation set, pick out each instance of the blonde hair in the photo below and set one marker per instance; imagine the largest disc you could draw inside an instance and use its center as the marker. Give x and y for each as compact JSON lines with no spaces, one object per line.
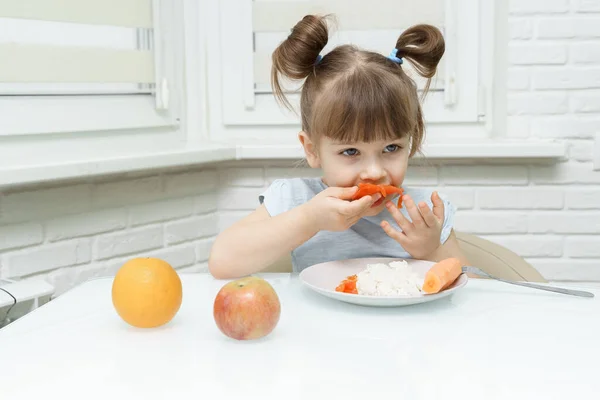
{"x":352,"y":94}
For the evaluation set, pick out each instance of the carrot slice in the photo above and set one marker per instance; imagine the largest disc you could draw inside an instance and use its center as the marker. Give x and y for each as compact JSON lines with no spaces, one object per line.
{"x":348,"y":285}
{"x":389,"y":189}
{"x":366,"y":189}
{"x":441,"y":275}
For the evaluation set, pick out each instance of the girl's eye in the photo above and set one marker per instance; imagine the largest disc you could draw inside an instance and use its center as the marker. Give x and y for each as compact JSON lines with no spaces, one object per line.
{"x":350,"y":152}
{"x":390,"y":148}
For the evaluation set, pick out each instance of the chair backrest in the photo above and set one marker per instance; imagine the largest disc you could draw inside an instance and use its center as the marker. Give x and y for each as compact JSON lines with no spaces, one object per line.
{"x":497,"y":260}
{"x":490,"y":257}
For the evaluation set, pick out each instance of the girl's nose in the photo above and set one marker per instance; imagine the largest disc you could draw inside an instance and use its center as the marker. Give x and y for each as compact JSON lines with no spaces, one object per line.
{"x":372,"y":172}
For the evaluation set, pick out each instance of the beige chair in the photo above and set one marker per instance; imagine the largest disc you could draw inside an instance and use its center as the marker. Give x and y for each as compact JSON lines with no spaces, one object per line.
{"x":490,"y":257}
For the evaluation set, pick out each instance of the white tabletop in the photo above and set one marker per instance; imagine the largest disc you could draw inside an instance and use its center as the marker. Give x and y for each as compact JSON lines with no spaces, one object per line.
{"x":488,"y":341}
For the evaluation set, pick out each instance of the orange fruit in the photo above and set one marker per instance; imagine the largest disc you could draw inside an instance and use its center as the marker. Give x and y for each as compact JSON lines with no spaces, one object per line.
{"x":146,"y":292}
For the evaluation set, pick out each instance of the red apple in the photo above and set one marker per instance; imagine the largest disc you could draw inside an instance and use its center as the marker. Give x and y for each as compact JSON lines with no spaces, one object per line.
{"x":247,"y":308}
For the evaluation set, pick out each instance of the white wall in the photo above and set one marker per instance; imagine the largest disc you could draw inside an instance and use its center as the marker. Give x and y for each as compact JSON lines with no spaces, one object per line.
{"x":549,"y":214}
{"x":554,"y":83}
{"x":73,"y":232}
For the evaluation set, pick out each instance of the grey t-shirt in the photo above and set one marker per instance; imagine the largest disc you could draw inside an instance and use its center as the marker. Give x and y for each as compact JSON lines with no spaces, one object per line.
{"x":366,"y":238}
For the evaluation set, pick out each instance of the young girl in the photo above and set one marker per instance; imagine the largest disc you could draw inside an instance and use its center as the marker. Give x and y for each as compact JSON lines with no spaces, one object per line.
{"x":361,"y":122}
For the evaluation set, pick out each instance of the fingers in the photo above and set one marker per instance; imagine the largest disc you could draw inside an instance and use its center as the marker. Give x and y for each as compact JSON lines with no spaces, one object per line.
{"x":398,"y":236}
{"x":361,"y":205}
{"x":400,"y":219}
{"x":413,"y":211}
{"x":438,"y":206}
{"x":343,"y":193}
{"x":427,"y":214}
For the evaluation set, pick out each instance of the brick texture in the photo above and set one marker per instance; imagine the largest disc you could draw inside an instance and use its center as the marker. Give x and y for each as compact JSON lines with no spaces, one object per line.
{"x":521,"y":103}
{"x":191,"y":229}
{"x":161,"y":211}
{"x":581,"y":150}
{"x":461,"y":198}
{"x":520,"y":28}
{"x":484,"y":175}
{"x":491,"y":222}
{"x":580,"y":126}
{"x":579,"y":77}
{"x":253,"y":177}
{"x":584,"y":6}
{"x":85,"y":224}
{"x":583,"y":246}
{"x":80,"y":231}
{"x":562,"y":242}
{"x":518,"y":79}
{"x":583,"y":199}
{"x":46,"y":257}
{"x":526,"y":198}
{"x":130,"y":242}
{"x":564,"y":222}
{"x":238,"y":198}
{"x":517,"y":7}
{"x":537,"y":54}
{"x":531,"y":245}
{"x":20,"y":235}
{"x":580,"y":27}
{"x":586,"y":101}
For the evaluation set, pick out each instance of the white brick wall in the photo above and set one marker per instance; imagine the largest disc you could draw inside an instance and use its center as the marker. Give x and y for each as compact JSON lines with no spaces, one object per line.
{"x":555,"y":62}
{"x":532,"y":7}
{"x":74,"y":232}
{"x":549,"y":214}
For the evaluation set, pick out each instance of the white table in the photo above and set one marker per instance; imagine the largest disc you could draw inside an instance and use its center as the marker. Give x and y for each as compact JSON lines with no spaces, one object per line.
{"x":488,"y":341}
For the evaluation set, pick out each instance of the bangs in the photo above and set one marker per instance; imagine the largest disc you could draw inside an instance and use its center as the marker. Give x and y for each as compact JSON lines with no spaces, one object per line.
{"x":365,"y":106}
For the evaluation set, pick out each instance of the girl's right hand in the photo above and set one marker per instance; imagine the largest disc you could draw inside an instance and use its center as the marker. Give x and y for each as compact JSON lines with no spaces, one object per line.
{"x":330,"y":210}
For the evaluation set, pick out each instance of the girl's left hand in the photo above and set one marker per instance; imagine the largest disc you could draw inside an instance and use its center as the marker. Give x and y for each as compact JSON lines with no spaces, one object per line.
{"x":421,"y":237}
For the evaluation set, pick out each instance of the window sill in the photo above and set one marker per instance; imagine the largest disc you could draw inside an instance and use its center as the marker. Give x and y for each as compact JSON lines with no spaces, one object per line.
{"x":91,"y":168}
{"x":474,"y":150}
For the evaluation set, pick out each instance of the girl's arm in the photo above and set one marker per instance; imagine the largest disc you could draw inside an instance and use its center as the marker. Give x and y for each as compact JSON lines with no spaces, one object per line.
{"x":259,"y":240}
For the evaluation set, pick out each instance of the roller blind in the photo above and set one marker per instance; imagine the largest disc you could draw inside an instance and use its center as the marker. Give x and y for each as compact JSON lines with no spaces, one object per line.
{"x":373,"y":25}
{"x":76,"y":47}
{"x":249,"y":36}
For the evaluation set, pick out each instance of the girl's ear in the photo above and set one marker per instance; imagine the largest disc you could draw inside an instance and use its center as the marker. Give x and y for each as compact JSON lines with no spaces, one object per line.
{"x":310,"y":150}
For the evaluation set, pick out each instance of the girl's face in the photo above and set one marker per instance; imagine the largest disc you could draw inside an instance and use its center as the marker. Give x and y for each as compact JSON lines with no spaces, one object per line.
{"x":347,"y":164}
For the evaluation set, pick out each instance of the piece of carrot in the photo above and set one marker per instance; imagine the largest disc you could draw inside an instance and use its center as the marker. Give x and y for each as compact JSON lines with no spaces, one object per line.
{"x":366,"y":189}
{"x":389,"y":189}
{"x":348,"y":285}
{"x":441,"y":275}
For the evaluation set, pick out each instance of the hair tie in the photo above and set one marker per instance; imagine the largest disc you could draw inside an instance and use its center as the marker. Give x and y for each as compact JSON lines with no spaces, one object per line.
{"x":319,"y":58}
{"x":393,"y":56}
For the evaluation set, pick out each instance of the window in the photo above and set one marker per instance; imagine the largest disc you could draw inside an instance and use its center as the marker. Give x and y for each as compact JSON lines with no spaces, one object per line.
{"x":89,"y":79}
{"x":248,"y":37}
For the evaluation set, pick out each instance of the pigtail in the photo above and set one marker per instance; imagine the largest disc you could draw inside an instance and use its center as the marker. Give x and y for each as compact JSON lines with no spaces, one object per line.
{"x":296,"y":57}
{"x":424,"y":46}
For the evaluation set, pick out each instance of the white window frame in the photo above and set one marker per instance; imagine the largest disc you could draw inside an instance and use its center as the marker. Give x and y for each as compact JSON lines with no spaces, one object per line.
{"x":464,"y":107}
{"x":39,"y":115}
{"x":42,"y":133}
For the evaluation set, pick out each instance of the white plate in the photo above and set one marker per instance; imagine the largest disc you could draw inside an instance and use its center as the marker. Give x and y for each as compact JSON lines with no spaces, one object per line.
{"x":324,"y":277}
